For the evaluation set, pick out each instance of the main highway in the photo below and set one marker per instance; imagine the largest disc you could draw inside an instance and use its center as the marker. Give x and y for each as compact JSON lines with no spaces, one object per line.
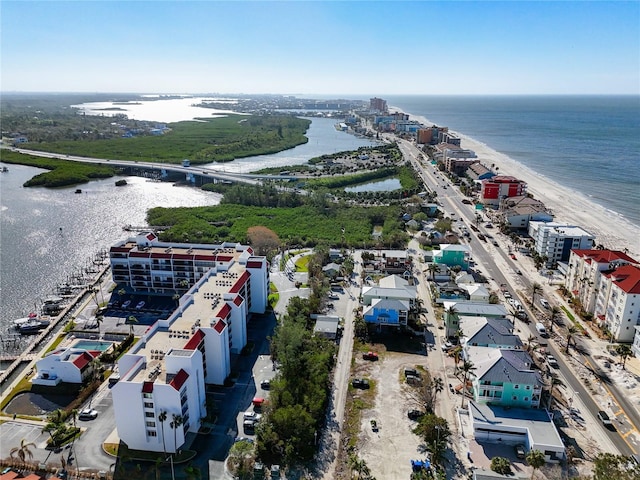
{"x":503,"y":270}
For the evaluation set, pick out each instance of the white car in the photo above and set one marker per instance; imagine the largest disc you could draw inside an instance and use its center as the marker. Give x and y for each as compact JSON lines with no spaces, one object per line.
{"x":252,"y":416}
{"x":88,"y":414}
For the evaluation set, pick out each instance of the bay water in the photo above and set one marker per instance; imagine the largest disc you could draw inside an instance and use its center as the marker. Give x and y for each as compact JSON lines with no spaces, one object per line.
{"x":47,"y":235}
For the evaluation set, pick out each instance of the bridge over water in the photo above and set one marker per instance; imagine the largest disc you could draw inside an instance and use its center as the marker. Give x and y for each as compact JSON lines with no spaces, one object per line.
{"x":192,"y":174}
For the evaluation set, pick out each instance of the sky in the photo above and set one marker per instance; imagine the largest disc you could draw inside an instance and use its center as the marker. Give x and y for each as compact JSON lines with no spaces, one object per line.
{"x":321,"y":47}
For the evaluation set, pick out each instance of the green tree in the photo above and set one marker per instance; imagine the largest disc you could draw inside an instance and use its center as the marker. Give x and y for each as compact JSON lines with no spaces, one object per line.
{"x":467,"y":368}
{"x":554,"y":314}
{"x":625,"y":352}
{"x":175,"y":423}
{"x":99,"y":321}
{"x":571,"y":331}
{"x":131,"y":321}
{"x":162,"y":417}
{"x":501,"y":465}
{"x":536,"y":459}
{"x":23,"y":451}
{"x":241,"y":459}
{"x":608,"y":466}
{"x":536,"y":288}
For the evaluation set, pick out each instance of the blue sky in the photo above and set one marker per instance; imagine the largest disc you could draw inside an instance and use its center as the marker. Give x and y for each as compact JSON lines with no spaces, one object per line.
{"x":323,"y":47}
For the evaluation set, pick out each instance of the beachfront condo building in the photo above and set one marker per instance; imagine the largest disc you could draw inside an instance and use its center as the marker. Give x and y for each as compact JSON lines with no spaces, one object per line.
{"x":618,"y":302}
{"x":378,"y":105}
{"x":494,"y":190}
{"x":160,"y":398}
{"x":554,"y":241}
{"x":585,"y":278}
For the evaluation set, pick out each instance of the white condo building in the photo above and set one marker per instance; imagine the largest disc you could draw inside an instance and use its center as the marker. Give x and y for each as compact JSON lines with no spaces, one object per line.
{"x":585,"y":274}
{"x":618,"y":302}
{"x":167,"y":369}
{"x":556,"y":240}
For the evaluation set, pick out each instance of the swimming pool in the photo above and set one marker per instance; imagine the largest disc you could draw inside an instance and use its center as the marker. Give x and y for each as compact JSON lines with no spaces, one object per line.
{"x":92,"y":345}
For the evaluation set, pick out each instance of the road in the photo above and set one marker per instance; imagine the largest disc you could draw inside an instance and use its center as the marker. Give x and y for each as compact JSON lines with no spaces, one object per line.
{"x":501,"y":269}
{"x":195,"y":170}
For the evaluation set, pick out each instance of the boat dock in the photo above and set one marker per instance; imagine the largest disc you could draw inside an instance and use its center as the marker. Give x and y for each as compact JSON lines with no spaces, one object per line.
{"x":31,"y":352}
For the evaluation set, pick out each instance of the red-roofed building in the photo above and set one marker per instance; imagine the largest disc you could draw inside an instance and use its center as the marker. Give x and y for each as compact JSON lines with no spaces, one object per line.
{"x":585,"y":274}
{"x":493,"y":190}
{"x":169,"y":368}
{"x":70,"y":365}
{"x":619,"y":298}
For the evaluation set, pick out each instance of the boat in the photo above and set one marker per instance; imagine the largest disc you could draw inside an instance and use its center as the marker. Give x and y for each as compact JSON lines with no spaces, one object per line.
{"x":33,"y":326}
{"x":5,"y":169}
{"x":21,"y":321}
{"x":78,"y":190}
{"x":52,"y":305}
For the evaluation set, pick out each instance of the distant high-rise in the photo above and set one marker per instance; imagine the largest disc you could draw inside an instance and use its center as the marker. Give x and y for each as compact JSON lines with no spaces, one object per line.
{"x":378,"y":105}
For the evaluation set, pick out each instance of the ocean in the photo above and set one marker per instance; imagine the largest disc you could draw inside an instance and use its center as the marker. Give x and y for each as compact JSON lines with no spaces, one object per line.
{"x":590,"y":144}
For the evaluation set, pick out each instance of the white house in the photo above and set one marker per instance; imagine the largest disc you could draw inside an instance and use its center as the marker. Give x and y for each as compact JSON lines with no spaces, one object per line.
{"x":534,"y":428}
{"x":390,"y":287}
{"x":70,"y":365}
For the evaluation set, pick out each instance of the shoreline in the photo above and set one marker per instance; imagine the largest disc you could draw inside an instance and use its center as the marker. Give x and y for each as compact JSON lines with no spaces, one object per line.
{"x":610,"y":228}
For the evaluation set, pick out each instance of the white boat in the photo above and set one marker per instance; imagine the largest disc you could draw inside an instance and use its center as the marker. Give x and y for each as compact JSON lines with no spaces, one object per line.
{"x":21,"y":321}
{"x":34,"y":325}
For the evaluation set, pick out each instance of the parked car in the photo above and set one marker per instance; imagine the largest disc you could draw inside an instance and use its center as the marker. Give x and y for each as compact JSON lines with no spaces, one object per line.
{"x":520,"y":451}
{"x":361,"y":383}
{"x":447,"y":346}
{"x":140,"y":305}
{"x":88,"y":414}
{"x":252,"y":416}
{"x":551,"y":360}
{"x":411,"y":371}
{"x":126,"y":304}
{"x":373,"y":356}
{"x":544,"y":303}
{"x":265,"y":384}
{"x":258,"y":402}
{"x":507,"y":294}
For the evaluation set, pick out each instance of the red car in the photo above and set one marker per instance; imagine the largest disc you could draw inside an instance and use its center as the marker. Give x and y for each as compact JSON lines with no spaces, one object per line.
{"x":513,"y":257}
{"x":370,"y":356}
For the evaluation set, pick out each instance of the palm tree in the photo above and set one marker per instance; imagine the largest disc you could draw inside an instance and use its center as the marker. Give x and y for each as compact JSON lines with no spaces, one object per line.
{"x":131,"y":321}
{"x":536,"y":459}
{"x":555,"y":313}
{"x":23,"y":451}
{"x":433,"y":269}
{"x":536,"y":288}
{"x":571,"y":331}
{"x":456,"y":353}
{"x":467,"y":368}
{"x":99,"y":320}
{"x":162,"y":417}
{"x":555,"y":381}
{"x":625,"y":352}
{"x":175,"y":423}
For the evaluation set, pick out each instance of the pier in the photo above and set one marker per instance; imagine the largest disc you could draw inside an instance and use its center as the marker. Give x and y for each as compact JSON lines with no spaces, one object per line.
{"x":30,"y":353}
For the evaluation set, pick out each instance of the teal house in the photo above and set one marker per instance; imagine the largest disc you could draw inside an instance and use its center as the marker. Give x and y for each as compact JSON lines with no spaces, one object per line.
{"x":452,"y":255}
{"x":504,"y":377}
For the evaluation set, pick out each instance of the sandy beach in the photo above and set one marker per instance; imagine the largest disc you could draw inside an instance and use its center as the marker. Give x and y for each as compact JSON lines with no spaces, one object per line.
{"x":610,"y":229}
